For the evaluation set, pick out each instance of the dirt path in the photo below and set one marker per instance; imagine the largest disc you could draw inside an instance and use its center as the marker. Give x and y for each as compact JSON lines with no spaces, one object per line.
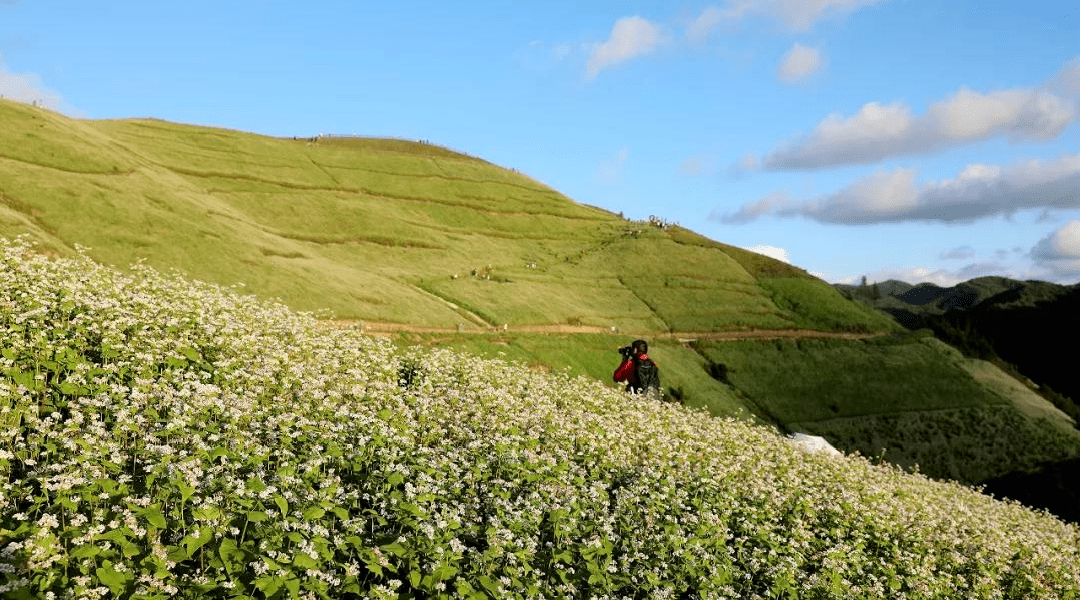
{"x":376,"y":328}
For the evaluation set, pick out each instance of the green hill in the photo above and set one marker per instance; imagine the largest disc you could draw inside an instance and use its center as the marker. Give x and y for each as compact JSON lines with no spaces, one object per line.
{"x":160,"y":439}
{"x":446,"y":249}
{"x":381,"y":230}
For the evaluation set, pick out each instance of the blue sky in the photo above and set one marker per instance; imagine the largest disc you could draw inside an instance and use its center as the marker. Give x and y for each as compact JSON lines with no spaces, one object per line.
{"x":923,"y":140}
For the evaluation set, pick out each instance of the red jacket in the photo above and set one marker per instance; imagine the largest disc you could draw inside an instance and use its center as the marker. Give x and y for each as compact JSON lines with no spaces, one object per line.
{"x":627,"y":373}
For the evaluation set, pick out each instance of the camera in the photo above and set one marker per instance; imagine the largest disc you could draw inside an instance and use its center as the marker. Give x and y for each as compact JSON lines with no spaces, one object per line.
{"x":626,"y":351}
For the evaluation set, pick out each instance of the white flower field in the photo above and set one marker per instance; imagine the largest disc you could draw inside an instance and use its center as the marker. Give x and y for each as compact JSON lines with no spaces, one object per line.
{"x":161,"y":438}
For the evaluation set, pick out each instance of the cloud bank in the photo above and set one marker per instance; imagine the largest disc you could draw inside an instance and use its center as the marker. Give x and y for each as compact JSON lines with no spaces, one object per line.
{"x":880,"y":131}
{"x":630,"y":37}
{"x":978,"y":192}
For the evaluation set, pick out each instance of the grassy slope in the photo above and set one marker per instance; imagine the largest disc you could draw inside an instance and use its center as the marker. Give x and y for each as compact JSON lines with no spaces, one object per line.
{"x":380,"y":230}
{"x":910,"y":396}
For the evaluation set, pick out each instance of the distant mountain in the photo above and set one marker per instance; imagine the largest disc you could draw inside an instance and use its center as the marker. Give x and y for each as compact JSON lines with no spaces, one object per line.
{"x":907,"y":302}
{"x":1019,"y":322}
{"x":1024,"y":327}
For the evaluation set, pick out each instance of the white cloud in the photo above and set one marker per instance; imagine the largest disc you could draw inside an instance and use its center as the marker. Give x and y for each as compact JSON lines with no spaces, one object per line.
{"x":700,"y":28}
{"x":698,"y":164}
{"x":880,"y":131}
{"x":1020,"y":114}
{"x":779,"y":202}
{"x":797,"y":15}
{"x":772,"y":252}
{"x":631,"y":37}
{"x":979,"y":191}
{"x":801,"y":15}
{"x":611,"y":170}
{"x":1067,"y":82}
{"x":1063,"y":244}
{"x":27,"y":87}
{"x":799,"y":64}
{"x":745,"y":164}
{"x":1059,"y":253}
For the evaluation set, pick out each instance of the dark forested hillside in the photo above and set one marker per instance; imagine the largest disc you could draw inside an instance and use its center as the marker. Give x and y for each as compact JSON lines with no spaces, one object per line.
{"x":1028,"y":324}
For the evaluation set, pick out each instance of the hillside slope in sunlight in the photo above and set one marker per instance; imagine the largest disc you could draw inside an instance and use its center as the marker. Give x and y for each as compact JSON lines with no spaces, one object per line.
{"x":382,"y":230}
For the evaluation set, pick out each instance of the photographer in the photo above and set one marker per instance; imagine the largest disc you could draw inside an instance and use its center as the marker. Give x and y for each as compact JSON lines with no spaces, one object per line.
{"x":638,"y":370}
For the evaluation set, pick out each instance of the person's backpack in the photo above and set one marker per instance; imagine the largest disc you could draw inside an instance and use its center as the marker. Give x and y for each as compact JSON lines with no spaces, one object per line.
{"x":648,"y":375}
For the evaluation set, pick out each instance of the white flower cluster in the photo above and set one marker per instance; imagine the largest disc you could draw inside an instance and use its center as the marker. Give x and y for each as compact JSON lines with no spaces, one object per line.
{"x":161,"y":438}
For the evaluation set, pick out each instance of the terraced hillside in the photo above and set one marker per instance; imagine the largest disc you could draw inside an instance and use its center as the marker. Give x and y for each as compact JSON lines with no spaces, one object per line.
{"x":381,"y":230}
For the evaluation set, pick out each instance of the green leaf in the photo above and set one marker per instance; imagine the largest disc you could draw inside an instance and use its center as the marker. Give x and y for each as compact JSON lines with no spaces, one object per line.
{"x":293,"y":584}
{"x":218,"y":452}
{"x":413,"y":509}
{"x":444,"y":572}
{"x":72,"y":389}
{"x":395,"y":549}
{"x":185,"y":490}
{"x":231,"y":555}
{"x":257,"y":516}
{"x":466,"y":590}
{"x":304,"y":561}
{"x":283,"y":505}
{"x":192,"y":543}
{"x":314,"y":513}
{"x":86,"y":551}
{"x":207,"y":513}
{"x":489,"y":585}
{"x":115,"y":581}
{"x":177,"y":553}
{"x":269,"y":584}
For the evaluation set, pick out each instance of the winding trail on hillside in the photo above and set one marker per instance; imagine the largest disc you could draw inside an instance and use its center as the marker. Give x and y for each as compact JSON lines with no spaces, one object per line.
{"x":388,"y":329}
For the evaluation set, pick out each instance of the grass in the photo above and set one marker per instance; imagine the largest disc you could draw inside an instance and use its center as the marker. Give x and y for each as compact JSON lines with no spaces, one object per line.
{"x":164,"y":439}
